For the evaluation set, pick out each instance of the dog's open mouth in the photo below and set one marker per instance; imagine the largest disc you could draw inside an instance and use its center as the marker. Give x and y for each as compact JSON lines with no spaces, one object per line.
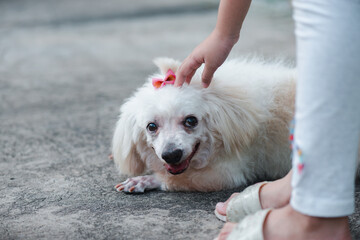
{"x":181,"y":167}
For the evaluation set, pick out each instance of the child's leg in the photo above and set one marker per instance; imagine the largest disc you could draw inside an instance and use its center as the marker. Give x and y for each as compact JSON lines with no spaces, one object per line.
{"x":327,"y":124}
{"x":327,"y":116}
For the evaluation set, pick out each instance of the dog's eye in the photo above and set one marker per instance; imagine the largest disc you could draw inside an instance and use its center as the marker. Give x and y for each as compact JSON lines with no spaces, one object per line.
{"x":152,"y":127}
{"x":190,"y":122}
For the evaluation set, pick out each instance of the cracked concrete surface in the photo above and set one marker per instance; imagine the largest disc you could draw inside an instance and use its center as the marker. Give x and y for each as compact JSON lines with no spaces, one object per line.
{"x":65,"y":68}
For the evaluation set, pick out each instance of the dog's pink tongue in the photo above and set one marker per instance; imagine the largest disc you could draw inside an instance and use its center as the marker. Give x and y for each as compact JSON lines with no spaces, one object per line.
{"x":176,"y":168}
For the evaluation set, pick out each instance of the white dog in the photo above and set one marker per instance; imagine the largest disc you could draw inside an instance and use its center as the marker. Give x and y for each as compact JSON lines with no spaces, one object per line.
{"x":195,"y":139}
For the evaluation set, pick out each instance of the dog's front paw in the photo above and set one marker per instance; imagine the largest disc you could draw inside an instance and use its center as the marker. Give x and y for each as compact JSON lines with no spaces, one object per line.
{"x":138,"y":184}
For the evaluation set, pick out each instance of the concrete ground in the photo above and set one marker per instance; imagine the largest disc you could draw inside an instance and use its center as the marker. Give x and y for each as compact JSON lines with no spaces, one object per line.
{"x":65,"y":68}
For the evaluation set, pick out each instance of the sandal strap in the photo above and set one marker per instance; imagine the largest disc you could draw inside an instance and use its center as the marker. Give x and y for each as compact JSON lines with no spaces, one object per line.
{"x":251,"y":227}
{"x":246,"y":203}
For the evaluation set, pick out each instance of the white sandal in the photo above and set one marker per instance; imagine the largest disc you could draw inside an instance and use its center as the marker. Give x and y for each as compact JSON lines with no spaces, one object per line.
{"x":246,"y":203}
{"x":251,"y":227}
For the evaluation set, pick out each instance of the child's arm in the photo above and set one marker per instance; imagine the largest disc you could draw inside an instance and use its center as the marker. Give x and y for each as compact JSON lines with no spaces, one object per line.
{"x":216,"y":47}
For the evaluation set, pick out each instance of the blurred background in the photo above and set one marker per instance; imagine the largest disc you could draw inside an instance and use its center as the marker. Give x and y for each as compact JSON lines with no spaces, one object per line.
{"x":65,"y":68}
{"x":116,"y":37}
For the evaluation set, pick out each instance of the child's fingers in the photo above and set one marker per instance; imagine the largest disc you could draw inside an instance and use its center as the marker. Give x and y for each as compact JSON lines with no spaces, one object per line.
{"x":190,"y":76}
{"x":207,"y":75}
{"x":181,"y":74}
{"x":186,"y":71}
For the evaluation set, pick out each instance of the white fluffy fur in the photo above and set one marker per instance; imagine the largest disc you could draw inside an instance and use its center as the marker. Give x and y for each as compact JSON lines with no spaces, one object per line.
{"x":243,"y":120}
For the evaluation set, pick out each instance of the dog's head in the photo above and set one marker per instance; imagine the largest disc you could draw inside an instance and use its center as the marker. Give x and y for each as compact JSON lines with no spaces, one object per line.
{"x":174,"y":129}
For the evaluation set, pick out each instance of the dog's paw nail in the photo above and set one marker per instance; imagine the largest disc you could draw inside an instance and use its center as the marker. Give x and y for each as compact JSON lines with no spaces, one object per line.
{"x":119,"y":185}
{"x":119,"y":189}
{"x":131,"y":189}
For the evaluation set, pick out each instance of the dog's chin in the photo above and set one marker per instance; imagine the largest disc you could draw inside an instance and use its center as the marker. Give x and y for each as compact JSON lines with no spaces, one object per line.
{"x":176,"y":169}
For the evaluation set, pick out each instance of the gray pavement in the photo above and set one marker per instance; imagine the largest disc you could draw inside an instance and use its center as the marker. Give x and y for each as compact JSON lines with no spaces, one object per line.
{"x":65,"y":68}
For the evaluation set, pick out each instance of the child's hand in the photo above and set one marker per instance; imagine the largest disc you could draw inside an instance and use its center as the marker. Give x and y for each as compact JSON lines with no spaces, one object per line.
{"x":212,"y":51}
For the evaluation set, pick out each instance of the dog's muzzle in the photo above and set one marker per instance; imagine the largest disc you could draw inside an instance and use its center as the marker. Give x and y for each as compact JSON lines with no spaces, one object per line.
{"x":177,"y":168}
{"x":172,"y":157}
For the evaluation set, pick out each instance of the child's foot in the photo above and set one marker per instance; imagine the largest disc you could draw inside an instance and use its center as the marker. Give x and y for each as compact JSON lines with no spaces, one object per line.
{"x":272,"y":195}
{"x":286,"y":223}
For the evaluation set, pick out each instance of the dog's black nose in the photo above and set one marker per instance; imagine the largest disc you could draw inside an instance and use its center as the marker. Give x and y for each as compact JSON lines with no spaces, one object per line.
{"x":172,"y":156}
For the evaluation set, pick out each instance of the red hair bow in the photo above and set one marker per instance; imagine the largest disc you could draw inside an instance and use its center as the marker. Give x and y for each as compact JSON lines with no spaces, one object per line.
{"x":169,"y":79}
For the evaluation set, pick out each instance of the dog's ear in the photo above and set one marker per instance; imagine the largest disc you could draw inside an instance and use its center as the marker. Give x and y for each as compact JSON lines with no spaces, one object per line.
{"x":232,"y":118}
{"x":127,"y":135}
{"x":164,"y":64}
